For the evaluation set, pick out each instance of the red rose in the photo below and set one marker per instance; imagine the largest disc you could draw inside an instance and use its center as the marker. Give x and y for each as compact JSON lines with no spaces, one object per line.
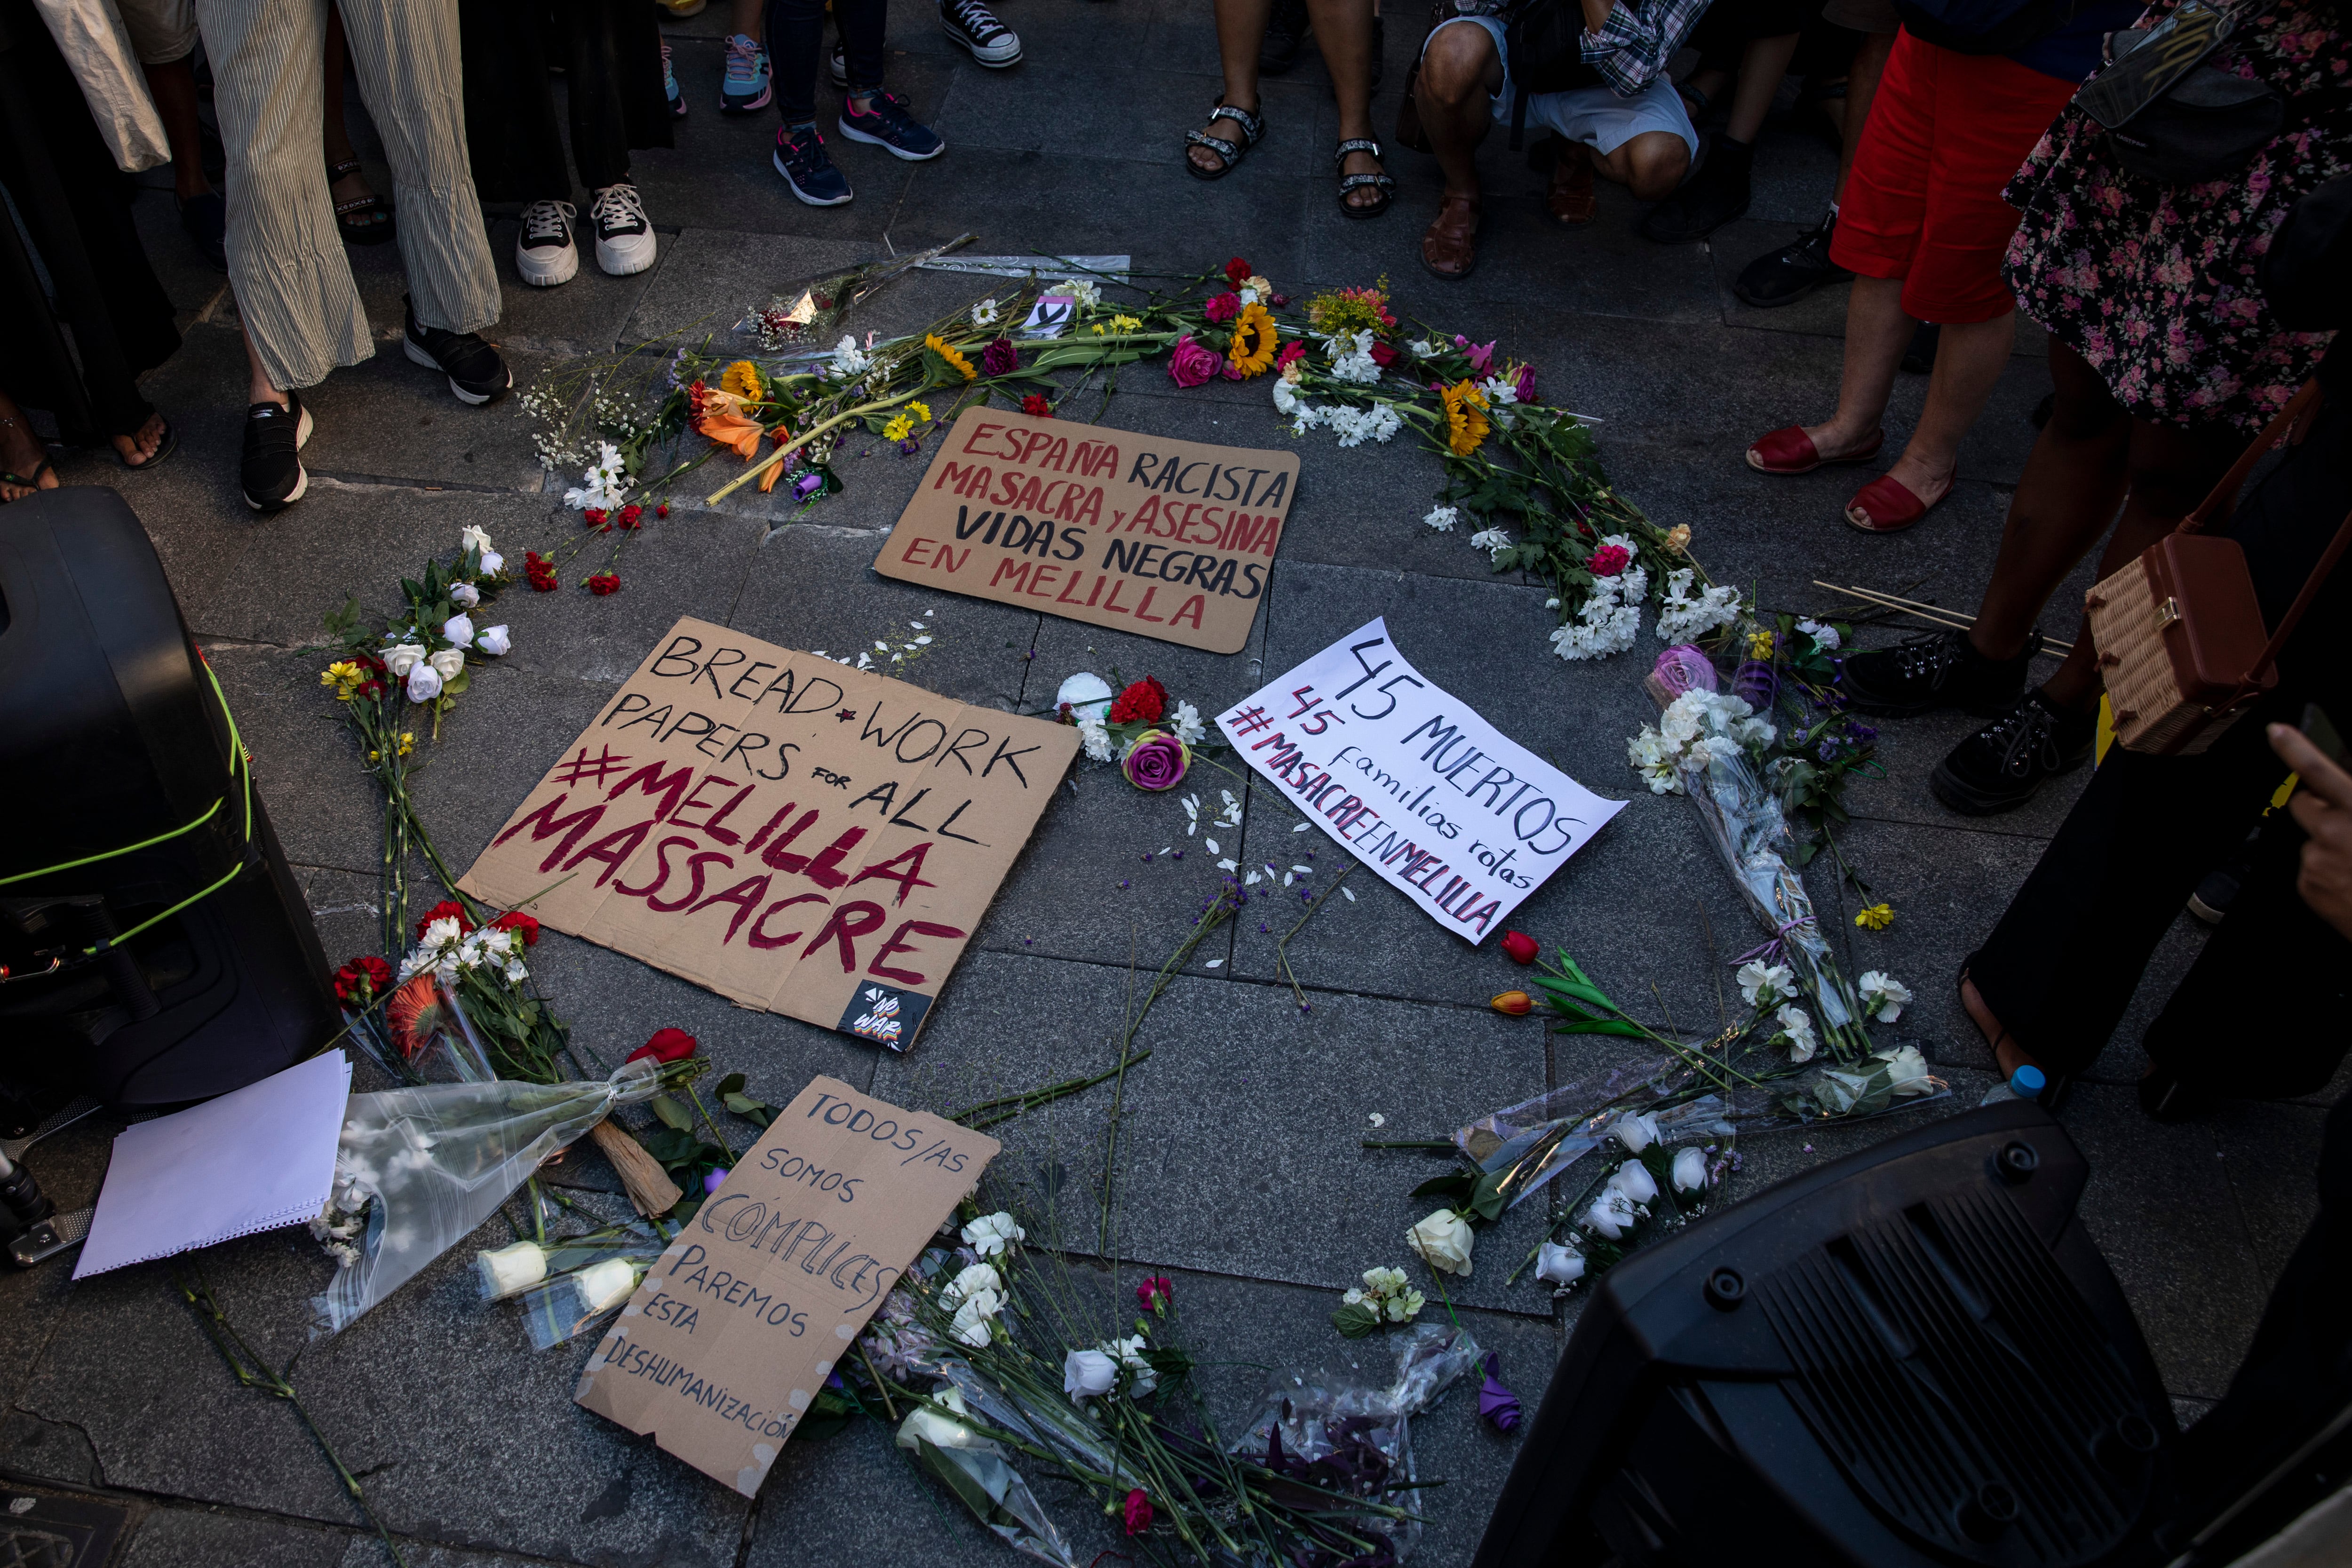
{"x":630,"y":514}
{"x":1237,"y":272}
{"x":605,"y":583}
{"x":662,"y":510}
{"x":521,"y":925}
{"x":593,"y":517}
{"x":1036,"y":406}
{"x":362,"y":981}
{"x":1223,"y":307}
{"x":1142,"y":702}
{"x":1383,"y":355}
{"x":667,"y":1046}
{"x":447,"y":909}
{"x":1610,"y":560}
{"x":1519,"y":947}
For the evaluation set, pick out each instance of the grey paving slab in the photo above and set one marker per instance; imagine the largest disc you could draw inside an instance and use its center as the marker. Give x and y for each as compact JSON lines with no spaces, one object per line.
{"x":305,"y":763}
{"x":2269,"y":1153}
{"x":710,"y":275}
{"x":584,"y":315}
{"x":1140,"y":115}
{"x":194,"y":286}
{"x":855,"y":1500}
{"x":216,"y":1538}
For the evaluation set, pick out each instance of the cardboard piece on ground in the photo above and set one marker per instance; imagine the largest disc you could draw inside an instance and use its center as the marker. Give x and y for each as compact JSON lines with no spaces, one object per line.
{"x":1167,"y":539}
{"x":1460,"y":818}
{"x":798,"y":835}
{"x":733,"y":1331}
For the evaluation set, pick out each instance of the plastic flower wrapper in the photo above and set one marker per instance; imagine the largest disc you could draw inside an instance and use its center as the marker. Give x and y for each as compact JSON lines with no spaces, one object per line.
{"x":561,"y":1310}
{"x":808,"y":312}
{"x":504,"y":1271}
{"x":437,"y":1159}
{"x":976,"y":1470}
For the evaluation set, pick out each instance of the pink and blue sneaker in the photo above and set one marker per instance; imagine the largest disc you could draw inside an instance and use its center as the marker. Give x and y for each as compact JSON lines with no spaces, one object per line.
{"x":746,"y":88}
{"x":669,"y":87}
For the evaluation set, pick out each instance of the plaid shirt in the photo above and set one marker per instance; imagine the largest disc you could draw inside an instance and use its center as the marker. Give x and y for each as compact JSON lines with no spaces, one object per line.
{"x":1634,"y":43}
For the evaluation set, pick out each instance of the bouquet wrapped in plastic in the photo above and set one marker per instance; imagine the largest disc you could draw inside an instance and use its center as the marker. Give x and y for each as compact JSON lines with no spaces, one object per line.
{"x":428,"y":1164}
{"x":807,"y":311}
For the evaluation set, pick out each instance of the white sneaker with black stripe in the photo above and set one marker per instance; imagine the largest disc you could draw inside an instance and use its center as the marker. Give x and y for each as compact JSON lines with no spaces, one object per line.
{"x":975,"y":27}
{"x":544,"y":254}
{"x":624,"y":235}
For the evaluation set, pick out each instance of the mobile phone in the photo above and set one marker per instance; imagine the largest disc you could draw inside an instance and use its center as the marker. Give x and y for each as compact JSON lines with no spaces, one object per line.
{"x":2321,"y":733}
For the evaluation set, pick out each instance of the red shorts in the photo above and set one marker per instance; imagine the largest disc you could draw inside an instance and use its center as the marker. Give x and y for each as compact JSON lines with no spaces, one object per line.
{"x":1923,"y":203}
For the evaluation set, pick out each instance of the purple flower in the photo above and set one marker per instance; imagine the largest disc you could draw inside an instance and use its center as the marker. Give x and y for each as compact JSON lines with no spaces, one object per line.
{"x":999,"y":358}
{"x":1523,"y":386}
{"x":711,"y":1182}
{"x":1683,"y":668}
{"x":1496,"y":1403}
{"x":807,"y":485}
{"x":1157,"y":762}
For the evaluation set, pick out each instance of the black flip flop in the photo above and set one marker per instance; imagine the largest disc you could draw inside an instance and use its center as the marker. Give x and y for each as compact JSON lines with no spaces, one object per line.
{"x":163,"y":448}
{"x":44,"y":466}
{"x":1230,"y":152}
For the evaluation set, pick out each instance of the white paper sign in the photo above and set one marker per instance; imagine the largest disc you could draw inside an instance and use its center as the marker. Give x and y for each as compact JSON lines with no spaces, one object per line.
{"x":1050,"y":316}
{"x":1445,"y":807}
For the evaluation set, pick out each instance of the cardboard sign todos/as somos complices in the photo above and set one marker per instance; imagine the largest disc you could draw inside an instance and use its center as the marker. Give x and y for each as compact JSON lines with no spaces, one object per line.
{"x":1168,"y":539}
{"x":798,"y":835}
{"x":731,"y":1334}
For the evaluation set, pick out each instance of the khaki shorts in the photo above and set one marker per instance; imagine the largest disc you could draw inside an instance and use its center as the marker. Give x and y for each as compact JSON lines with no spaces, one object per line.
{"x":160,"y":31}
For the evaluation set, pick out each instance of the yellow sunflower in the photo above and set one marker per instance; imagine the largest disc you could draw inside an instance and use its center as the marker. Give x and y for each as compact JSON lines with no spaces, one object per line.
{"x":1254,"y":342}
{"x":742,"y":379}
{"x":1465,"y":417}
{"x":956,"y":361}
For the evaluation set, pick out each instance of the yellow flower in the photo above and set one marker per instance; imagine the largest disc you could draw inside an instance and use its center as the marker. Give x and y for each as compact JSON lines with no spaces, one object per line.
{"x":920,"y":412}
{"x":956,"y":361}
{"x":1254,"y":342}
{"x":742,"y":379}
{"x":898,"y":429}
{"x":1465,"y":417}
{"x":407,"y":743}
{"x":1759,"y":645}
{"x":344,"y":677}
{"x":1126,"y":323}
{"x":1878,"y":917}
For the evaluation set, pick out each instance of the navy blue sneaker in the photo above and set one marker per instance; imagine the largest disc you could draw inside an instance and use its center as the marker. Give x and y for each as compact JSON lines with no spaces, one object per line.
{"x":887,"y":123}
{"x":802,"y":160}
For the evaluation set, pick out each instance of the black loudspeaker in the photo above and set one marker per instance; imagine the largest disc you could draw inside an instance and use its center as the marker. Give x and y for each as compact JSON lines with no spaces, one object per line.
{"x":126,"y":798}
{"x":1912,"y":1355}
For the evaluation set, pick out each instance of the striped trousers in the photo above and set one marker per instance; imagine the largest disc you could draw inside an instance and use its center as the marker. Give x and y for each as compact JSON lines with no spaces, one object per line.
{"x":294,"y":286}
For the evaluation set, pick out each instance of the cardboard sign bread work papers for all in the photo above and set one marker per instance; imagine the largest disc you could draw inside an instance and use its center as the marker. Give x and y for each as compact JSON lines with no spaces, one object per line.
{"x":1170,"y":538}
{"x":795,"y":835}
{"x":1465,"y":821}
{"x":732,"y":1333}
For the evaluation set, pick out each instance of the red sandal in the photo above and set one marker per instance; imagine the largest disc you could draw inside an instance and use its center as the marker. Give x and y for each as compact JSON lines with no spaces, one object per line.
{"x":1792,"y":451}
{"x":1887,"y":505}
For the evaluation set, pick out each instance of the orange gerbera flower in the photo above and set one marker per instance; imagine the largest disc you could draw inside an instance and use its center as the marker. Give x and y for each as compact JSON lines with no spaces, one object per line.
{"x":1252,"y":353}
{"x":414,"y":1014}
{"x":1465,"y":417}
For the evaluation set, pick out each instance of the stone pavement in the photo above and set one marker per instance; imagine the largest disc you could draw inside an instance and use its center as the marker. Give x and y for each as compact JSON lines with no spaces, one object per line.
{"x":1243,"y":1178}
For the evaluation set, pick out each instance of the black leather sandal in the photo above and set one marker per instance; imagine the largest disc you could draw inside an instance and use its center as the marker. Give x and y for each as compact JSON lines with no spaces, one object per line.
{"x":363,"y":220}
{"x":1381,"y":183}
{"x":1228,"y":151}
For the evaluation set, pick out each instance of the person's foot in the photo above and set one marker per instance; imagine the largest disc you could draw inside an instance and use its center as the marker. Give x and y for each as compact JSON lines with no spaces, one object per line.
{"x":800,"y":158}
{"x":24,"y":461}
{"x":745,"y":87}
{"x":669,"y":86}
{"x":270,"y":473}
{"x":544,"y":253}
{"x":975,"y":28}
{"x":1569,"y":199}
{"x":1208,"y":161}
{"x":477,"y":375}
{"x":882,"y":120}
{"x":1942,"y":669}
{"x":1449,"y":245}
{"x":1718,"y":193}
{"x":1794,"y":271}
{"x":1364,"y":199}
{"x":624,"y":235}
{"x":2001,"y":766}
{"x":361,"y":215}
{"x":138,"y":449}
{"x":1285,"y":32}
{"x":205,"y":219}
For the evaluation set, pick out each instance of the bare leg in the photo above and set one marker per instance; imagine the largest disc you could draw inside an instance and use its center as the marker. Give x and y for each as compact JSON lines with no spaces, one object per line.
{"x":1459,"y":73}
{"x":2005,"y":1048}
{"x":1761,"y":67}
{"x":173,"y":86}
{"x":1241,"y":28}
{"x":1876,"y":331}
{"x":21,"y":452}
{"x":1968,"y":360}
{"x":1343,"y":31}
{"x":748,"y":17}
{"x":1651,"y":166}
{"x":256,"y":380}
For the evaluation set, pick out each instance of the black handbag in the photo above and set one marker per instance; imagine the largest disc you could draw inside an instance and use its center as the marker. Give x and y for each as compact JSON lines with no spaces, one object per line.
{"x":2169,"y":117}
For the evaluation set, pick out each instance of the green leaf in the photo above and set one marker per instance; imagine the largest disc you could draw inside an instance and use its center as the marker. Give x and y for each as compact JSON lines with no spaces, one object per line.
{"x":1455,"y":1186}
{"x":671,"y":1112}
{"x":1355,"y":1322}
{"x":731,"y":1084}
{"x":743,"y":1104}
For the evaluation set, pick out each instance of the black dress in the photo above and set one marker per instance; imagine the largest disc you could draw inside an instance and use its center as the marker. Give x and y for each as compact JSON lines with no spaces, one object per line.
{"x":610,"y":54}
{"x":81,"y":315}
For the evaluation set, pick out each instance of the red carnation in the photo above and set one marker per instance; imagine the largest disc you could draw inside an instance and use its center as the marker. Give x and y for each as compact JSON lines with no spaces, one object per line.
{"x":1383,"y":355}
{"x":540,"y":569}
{"x":1036,"y":406}
{"x":1139,"y":1511}
{"x":662,"y":510}
{"x":1142,"y":702}
{"x":522,"y":925}
{"x":447,"y":909}
{"x":1223,"y":307}
{"x":1155,"y":1294}
{"x":1610,"y":560}
{"x":630,"y":514}
{"x":605,"y":583}
{"x":1237,"y":272}
{"x":667,"y":1046}
{"x":1292,"y":351}
{"x":362,"y":981}
{"x":1519,"y":947}
{"x":593,"y":517}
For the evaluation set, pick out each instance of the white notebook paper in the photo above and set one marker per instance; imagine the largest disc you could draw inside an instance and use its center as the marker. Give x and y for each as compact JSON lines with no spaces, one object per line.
{"x":255,"y":1158}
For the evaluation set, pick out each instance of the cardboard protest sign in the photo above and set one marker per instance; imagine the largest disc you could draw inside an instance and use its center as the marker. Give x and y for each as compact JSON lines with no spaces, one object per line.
{"x":733,"y":1331}
{"x":1461,"y":819}
{"x":1174,"y":540}
{"x":800,"y":836}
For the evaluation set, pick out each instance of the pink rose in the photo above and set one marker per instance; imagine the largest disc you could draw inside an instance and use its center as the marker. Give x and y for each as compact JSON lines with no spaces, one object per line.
{"x":1190,"y":364}
{"x":1223,"y":307}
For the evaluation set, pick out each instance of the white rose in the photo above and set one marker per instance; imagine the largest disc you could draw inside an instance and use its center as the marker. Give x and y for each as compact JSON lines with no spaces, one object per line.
{"x":1085,"y":1373}
{"x":401,"y":657}
{"x":465,"y":595}
{"x":507,"y":1269}
{"x":992,"y":1233}
{"x":1908,"y":1071}
{"x":493,"y":563}
{"x":472,"y":537}
{"x":1611,"y":1214}
{"x":423,"y":683}
{"x":972,"y":1281}
{"x":1637,"y":1132}
{"x":1690,"y":1171}
{"x":1633,"y":1179}
{"x":940,"y":1431}
{"x":446,"y":663}
{"x":492,"y":640}
{"x":605,"y":1284}
{"x":458,"y":630}
{"x":971,"y":1325}
{"x":1443,"y":1241}
{"x":1560,"y":1265}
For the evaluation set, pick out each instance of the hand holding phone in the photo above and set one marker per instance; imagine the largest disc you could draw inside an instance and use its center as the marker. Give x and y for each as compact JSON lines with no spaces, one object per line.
{"x":2323,"y":806}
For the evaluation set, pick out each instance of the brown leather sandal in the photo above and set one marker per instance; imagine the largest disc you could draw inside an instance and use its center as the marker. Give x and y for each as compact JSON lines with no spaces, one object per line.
{"x":1448,"y":245}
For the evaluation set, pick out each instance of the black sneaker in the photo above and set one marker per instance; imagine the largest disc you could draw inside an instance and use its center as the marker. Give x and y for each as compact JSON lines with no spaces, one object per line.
{"x":477,"y":375}
{"x":270,"y":473}
{"x":1285,"y":33}
{"x":2001,"y":766}
{"x":840,"y":66}
{"x":885,"y":123}
{"x":1942,"y":669}
{"x":1794,"y":271}
{"x":1718,"y":193}
{"x":800,"y":158}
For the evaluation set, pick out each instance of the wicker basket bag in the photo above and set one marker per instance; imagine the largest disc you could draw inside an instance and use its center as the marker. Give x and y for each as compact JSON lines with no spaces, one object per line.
{"x":2179,"y":633}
